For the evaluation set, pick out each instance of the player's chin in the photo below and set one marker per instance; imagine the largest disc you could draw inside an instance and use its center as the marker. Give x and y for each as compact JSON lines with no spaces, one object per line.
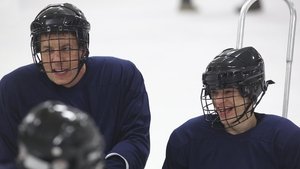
{"x":228,"y":120}
{"x":225,"y":115}
{"x":61,"y":80}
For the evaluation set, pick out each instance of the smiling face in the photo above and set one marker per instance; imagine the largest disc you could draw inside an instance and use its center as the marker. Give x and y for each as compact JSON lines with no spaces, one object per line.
{"x":230,"y":106}
{"x":60,"y":56}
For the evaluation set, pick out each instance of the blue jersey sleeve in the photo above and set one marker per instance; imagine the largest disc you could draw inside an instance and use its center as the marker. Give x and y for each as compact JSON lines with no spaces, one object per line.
{"x":8,"y":129}
{"x":133,"y":148}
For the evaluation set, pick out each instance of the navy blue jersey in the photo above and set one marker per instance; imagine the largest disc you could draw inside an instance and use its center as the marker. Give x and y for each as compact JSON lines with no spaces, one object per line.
{"x":112,"y":91}
{"x":273,"y":144}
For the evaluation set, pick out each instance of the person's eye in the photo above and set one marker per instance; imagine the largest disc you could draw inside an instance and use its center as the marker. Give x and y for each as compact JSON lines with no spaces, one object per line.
{"x":228,"y":92}
{"x":45,"y":50}
{"x":66,"y":48}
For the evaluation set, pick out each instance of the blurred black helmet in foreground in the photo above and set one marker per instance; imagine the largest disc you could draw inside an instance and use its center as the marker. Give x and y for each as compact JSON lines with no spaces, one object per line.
{"x":57,"y":136}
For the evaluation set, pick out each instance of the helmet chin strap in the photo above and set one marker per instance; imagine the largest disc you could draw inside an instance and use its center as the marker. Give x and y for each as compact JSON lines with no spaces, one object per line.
{"x":247,"y":110}
{"x":268,"y":82}
{"x":80,"y":65}
{"x":243,"y":114}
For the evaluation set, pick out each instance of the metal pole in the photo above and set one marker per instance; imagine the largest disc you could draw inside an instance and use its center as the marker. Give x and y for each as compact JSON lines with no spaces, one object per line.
{"x":290,"y":45}
{"x":289,"y":57}
{"x":241,"y":24}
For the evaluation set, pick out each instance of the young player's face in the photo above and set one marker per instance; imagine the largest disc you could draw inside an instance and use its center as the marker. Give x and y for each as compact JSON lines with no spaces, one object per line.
{"x":229,"y":104}
{"x":60,"y":55}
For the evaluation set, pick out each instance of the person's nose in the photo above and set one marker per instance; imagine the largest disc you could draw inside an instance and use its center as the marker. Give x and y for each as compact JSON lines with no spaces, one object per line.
{"x":55,"y":56}
{"x":218,"y":99}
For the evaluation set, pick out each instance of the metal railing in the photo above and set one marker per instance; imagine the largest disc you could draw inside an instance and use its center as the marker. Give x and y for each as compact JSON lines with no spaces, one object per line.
{"x":290,"y":45}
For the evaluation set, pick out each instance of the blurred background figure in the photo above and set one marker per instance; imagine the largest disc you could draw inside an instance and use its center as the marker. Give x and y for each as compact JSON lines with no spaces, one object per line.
{"x":54,"y":135}
{"x":187,"y":5}
{"x":255,"y":7}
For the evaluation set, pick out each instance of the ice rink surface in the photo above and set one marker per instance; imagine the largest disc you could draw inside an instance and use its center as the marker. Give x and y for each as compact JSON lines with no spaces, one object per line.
{"x":171,"y":48}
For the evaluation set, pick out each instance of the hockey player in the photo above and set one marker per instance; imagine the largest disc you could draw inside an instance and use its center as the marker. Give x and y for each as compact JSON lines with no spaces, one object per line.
{"x":111,"y":90}
{"x":56,"y":136}
{"x":231,"y":134}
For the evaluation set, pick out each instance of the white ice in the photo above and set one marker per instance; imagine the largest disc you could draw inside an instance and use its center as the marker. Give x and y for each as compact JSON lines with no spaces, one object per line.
{"x":171,"y":49}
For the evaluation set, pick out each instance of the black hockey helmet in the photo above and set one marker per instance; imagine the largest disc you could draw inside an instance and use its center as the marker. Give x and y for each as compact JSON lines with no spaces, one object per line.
{"x":56,"y":136}
{"x":58,"y":18}
{"x":242,"y":69}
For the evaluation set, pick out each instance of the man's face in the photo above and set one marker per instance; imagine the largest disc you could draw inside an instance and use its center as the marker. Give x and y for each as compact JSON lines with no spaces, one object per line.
{"x":60,"y":56}
{"x":229,"y":104}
